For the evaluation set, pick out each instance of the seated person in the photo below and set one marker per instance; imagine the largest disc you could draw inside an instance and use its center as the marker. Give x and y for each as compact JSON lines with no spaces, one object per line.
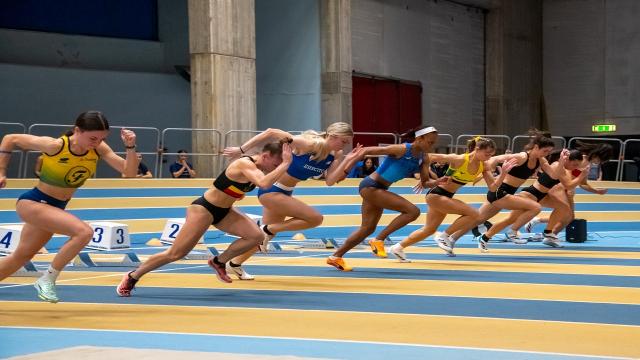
{"x":143,"y":170}
{"x":182,"y":168}
{"x":368,"y":166}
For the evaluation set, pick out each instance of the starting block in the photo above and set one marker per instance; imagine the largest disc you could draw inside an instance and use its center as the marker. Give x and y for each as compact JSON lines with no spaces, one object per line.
{"x":273,"y":247}
{"x":202,"y":254}
{"x":109,"y":236}
{"x":321,"y":243}
{"x":171,"y":229}
{"x":9,"y":238}
{"x":29,"y":269}
{"x":84,"y":260}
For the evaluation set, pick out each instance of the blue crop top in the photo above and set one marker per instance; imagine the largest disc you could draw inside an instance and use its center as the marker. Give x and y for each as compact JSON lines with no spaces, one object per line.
{"x":394,"y":169}
{"x":302,"y":167}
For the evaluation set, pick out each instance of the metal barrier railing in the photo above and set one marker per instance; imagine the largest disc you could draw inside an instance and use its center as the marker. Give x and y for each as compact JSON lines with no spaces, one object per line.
{"x":558,"y":140}
{"x":396,"y":138}
{"x":145,"y":136}
{"x":159,"y":138}
{"x":448,"y":144}
{"x":214,"y":145}
{"x":623,"y":157}
{"x":113,"y":138}
{"x":461,"y":141}
{"x":608,"y":140}
{"x":20,"y":129}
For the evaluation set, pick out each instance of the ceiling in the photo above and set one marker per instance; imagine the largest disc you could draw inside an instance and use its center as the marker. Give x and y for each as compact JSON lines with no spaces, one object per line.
{"x":483,"y":4}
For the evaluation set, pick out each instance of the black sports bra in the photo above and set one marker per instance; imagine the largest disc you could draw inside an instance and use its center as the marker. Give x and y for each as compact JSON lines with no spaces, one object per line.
{"x":233,"y":188}
{"x":547,"y":181}
{"x":523,"y":171}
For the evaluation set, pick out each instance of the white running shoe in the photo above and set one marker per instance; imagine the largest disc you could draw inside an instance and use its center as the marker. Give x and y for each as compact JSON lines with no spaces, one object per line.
{"x":515,"y":237}
{"x":452,"y":243}
{"x":239,"y":272}
{"x":482,"y":244}
{"x":264,"y":246}
{"x":398,"y":251}
{"x":533,"y":222}
{"x":443,"y":242}
{"x":536,"y":238}
{"x":46,"y":290}
{"x":552,"y":240}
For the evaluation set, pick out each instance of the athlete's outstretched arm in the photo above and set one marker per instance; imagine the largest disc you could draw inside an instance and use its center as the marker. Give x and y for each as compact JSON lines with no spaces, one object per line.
{"x":494,"y":183}
{"x":128,"y":166}
{"x":269,"y":135}
{"x":256,"y":176}
{"x":9,"y":142}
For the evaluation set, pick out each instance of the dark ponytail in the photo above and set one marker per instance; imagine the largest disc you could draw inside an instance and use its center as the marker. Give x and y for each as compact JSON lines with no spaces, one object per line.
{"x":555,"y":155}
{"x":602,"y":151}
{"x":90,"y":121}
{"x":540,"y":138}
{"x":274,"y":148}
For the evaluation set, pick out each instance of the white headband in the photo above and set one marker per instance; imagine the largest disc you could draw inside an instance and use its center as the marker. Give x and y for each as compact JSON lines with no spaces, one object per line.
{"x":425,"y":131}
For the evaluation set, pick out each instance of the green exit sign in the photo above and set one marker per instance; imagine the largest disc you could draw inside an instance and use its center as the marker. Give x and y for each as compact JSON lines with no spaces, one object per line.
{"x":603,"y":128}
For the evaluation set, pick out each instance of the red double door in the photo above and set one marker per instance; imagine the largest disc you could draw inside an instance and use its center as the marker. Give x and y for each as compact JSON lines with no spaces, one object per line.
{"x":387,"y":106}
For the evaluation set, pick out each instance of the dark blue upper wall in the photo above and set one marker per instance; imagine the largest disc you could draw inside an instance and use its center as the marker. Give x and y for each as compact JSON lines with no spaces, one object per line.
{"x":110,"y":18}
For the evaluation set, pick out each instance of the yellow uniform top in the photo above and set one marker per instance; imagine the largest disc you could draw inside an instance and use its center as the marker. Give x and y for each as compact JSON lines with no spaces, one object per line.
{"x":66,"y":169}
{"x":462,"y":175}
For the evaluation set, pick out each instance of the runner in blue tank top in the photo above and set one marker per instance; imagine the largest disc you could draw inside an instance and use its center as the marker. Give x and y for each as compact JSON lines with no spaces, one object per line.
{"x":315,"y":154}
{"x":402,"y":160}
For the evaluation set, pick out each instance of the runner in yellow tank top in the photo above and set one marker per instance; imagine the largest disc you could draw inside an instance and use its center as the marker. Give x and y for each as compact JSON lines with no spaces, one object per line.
{"x":68,"y":162}
{"x":66,"y":169}
{"x":463,"y":169}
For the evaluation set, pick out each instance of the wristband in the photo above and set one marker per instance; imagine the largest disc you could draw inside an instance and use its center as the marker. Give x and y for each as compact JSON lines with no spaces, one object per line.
{"x":241,"y":151}
{"x":130,"y":147}
{"x":6,"y":152}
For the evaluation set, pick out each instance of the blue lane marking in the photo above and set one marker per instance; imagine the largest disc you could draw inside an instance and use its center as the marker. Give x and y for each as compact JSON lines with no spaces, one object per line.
{"x":327,"y":190}
{"x":400,"y":273}
{"x":600,"y":238}
{"x":10,"y":216}
{"x":512,"y":258}
{"x":41,"y":340}
{"x":376,"y":303}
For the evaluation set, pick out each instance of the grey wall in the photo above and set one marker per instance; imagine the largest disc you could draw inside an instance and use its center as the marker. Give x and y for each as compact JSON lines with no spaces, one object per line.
{"x":440,"y":44}
{"x":35,"y":94}
{"x":51,"y":78}
{"x":591,"y":67}
{"x":288,"y":64}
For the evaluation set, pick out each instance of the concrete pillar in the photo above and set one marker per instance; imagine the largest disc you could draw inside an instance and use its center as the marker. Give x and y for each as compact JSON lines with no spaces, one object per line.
{"x":223,"y":73}
{"x":335,"y":29}
{"x":514,"y":67}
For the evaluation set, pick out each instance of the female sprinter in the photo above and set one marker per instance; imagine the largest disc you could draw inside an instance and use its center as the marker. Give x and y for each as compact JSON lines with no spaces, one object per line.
{"x":529,"y":160}
{"x":314,"y":154}
{"x":560,"y":218}
{"x":68,"y":162}
{"x":215,"y":208}
{"x":463,"y":169}
{"x":402,"y":159}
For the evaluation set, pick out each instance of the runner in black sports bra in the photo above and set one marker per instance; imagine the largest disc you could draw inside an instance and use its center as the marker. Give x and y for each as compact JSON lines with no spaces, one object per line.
{"x":215,"y":207}
{"x":540,"y":145}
